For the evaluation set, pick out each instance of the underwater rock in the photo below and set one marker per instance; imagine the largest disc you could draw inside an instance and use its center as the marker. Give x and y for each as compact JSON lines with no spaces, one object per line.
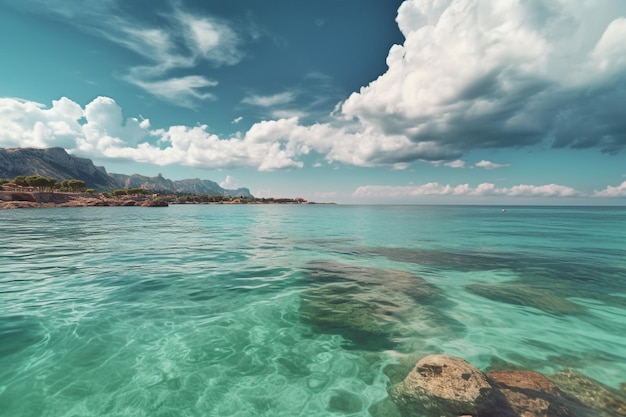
{"x":397,"y":372}
{"x":367,"y":306}
{"x":355,"y":316}
{"x":344,"y":402}
{"x":326,"y":272}
{"x":447,"y":259}
{"x":519,"y":293}
{"x":607,"y":401}
{"x":442,"y":385}
{"x":384,"y":408}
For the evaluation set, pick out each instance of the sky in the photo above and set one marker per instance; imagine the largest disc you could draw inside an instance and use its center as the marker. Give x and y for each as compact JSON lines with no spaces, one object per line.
{"x":351,"y":101}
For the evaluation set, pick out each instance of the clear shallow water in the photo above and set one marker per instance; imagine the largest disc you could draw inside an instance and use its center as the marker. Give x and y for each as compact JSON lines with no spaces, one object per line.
{"x":294,"y":310}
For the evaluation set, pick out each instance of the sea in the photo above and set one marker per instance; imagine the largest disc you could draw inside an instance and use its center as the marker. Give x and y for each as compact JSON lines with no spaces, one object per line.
{"x":295,"y":310}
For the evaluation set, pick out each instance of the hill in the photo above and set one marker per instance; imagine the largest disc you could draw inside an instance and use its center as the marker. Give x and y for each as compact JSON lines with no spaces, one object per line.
{"x":189,"y":186}
{"x":58,"y":164}
{"x":55,"y":163}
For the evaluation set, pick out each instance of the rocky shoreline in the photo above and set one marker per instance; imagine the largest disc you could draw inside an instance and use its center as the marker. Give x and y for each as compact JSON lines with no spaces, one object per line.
{"x":14,"y":200}
{"x":446,"y":386}
{"x":20,"y":199}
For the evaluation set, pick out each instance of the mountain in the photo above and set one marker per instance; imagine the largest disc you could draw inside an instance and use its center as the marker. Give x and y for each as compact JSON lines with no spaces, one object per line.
{"x":55,"y":163}
{"x":189,"y":186}
{"x":58,"y":164}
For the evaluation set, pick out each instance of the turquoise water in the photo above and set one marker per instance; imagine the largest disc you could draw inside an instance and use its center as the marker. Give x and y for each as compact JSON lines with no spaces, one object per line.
{"x":295,"y":310}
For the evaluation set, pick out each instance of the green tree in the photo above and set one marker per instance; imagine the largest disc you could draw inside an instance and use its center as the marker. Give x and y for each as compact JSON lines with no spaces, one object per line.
{"x":40,"y":182}
{"x":20,"y":180}
{"x":77,"y":185}
{"x":136,"y":191}
{"x":117,"y":193}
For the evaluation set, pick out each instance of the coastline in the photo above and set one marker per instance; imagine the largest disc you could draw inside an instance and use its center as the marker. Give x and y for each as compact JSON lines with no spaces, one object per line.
{"x":35,"y":199}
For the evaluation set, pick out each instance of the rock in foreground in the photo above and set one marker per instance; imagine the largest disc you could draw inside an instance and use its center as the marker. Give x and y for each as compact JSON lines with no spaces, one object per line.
{"x":441,"y":385}
{"x":444,"y":386}
{"x":531,"y":394}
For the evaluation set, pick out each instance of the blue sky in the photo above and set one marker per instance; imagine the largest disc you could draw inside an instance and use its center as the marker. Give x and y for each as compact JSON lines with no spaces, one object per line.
{"x":353,"y":101}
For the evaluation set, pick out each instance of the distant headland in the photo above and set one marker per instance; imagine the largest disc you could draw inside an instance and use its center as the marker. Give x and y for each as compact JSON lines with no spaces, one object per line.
{"x":51,"y":177}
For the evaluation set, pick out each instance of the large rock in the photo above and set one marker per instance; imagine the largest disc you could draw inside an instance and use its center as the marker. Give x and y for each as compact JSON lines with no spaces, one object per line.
{"x":442,"y":385}
{"x":531,"y":394}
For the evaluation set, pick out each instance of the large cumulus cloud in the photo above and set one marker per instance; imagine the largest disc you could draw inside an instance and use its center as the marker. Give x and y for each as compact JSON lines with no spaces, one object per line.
{"x":502,"y":73}
{"x":100,"y":130}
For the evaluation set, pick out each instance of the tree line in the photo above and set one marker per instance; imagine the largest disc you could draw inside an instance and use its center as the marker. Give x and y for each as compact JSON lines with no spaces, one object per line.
{"x":42,"y":183}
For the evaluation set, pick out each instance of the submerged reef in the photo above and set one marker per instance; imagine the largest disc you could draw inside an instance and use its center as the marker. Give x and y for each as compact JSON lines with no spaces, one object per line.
{"x":520,"y":293}
{"x":372,"y":308}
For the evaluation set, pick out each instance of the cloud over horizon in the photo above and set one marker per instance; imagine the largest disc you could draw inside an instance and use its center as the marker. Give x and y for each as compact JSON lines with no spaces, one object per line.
{"x":612,"y":192}
{"x":482,"y":190}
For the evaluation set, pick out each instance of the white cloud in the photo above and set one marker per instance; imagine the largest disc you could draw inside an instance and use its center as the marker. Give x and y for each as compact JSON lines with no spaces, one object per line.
{"x":267,"y":145}
{"x":229,"y":183}
{"x":184,"y":90}
{"x":501,"y":73}
{"x":214,"y":41}
{"x":490,"y":165}
{"x":29,"y":124}
{"x":105,"y":127}
{"x":457,"y":163}
{"x":237,"y":120}
{"x":482,"y":190}
{"x":179,"y":40}
{"x":609,"y":191}
{"x":288,"y":114}
{"x":550,"y":190}
{"x":609,"y":54}
{"x":271,"y":100}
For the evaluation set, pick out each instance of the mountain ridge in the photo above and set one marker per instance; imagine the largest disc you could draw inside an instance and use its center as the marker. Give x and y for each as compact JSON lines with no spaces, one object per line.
{"x":60,"y":165}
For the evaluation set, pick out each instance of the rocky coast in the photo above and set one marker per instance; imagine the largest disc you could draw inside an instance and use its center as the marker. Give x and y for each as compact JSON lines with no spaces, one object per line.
{"x":12,"y":200}
{"x":29,"y":199}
